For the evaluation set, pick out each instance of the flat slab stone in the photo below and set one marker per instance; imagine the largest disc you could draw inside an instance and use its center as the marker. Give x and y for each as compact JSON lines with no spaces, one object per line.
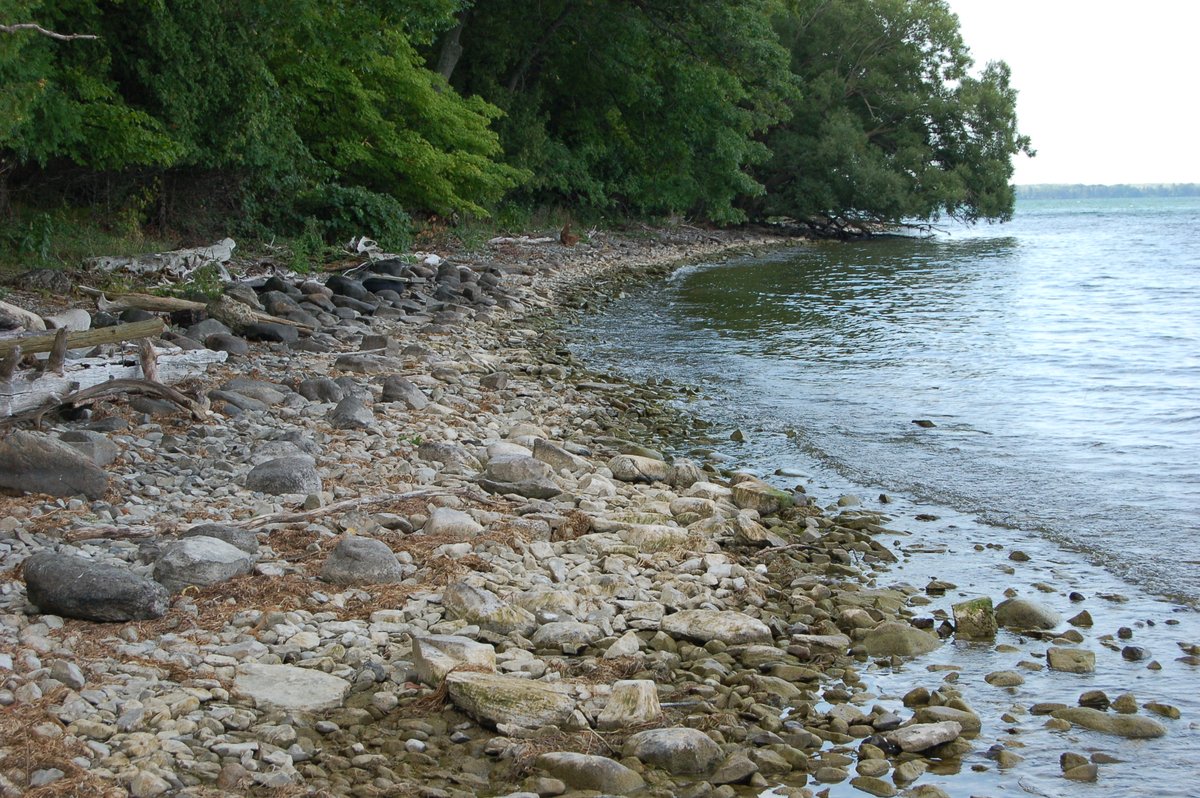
{"x":34,"y":463}
{"x":434,"y":656}
{"x":1134,"y":727}
{"x":731,"y":628}
{"x":509,"y":700}
{"x":290,"y":688}
{"x":923,"y":736}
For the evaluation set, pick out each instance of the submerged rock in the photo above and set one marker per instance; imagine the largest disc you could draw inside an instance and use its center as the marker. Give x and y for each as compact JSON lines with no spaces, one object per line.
{"x":1131,"y":726}
{"x":898,"y":639}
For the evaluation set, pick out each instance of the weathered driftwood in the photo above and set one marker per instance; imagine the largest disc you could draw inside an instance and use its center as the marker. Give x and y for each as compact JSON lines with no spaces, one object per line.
{"x":177,"y":264}
{"x":148,"y":360}
{"x":362,"y":502}
{"x":168,"y":304}
{"x":112,"y":389}
{"x":27,"y":390}
{"x":58,"y":353}
{"x":111,"y":533}
{"x":31,"y":344}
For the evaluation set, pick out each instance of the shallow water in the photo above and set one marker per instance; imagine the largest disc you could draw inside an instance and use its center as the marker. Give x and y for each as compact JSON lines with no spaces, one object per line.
{"x":1059,"y":360}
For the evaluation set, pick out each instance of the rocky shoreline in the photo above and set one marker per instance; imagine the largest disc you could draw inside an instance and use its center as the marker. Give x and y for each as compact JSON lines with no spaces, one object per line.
{"x":421,"y":551}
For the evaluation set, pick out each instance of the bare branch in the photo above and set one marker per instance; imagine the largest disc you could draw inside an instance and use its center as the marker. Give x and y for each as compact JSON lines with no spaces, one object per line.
{"x":62,"y":37}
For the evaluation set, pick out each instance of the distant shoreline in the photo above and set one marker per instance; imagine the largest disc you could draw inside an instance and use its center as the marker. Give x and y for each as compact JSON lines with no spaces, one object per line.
{"x":1118,"y":191}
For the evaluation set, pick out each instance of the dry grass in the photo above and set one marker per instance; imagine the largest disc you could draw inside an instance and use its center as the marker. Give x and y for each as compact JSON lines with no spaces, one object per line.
{"x":26,"y":751}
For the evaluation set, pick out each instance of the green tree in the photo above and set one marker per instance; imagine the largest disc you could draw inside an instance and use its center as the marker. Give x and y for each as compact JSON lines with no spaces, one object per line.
{"x":646,"y":107}
{"x":893,"y":125}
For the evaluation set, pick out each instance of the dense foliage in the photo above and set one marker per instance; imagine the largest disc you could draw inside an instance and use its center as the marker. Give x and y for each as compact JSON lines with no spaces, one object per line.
{"x":351,"y":115}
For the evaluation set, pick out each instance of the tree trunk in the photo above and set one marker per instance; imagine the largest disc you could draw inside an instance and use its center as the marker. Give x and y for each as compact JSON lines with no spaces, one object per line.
{"x":518,"y":75}
{"x":452,"y":48}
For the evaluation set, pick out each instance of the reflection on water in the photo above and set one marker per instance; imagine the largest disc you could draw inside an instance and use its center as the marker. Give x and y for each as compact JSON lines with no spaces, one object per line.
{"x":1058,"y":357}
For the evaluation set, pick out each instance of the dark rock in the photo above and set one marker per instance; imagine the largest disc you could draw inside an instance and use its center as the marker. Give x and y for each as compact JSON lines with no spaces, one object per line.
{"x":227,"y":342}
{"x":321,"y":389}
{"x":202,"y":330}
{"x":132,"y":315}
{"x":93,"y":445}
{"x":34,"y":463}
{"x":271,"y":332}
{"x":63,"y":584}
{"x":350,"y":303}
{"x":155,"y":408}
{"x":494,"y":381}
{"x":240,"y":401}
{"x":347,"y":287}
{"x":296,"y":474}
{"x":351,"y":413}
{"x":398,"y":389}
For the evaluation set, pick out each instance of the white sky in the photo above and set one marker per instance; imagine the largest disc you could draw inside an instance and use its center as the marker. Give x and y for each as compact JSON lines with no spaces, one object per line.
{"x":1109,"y":89}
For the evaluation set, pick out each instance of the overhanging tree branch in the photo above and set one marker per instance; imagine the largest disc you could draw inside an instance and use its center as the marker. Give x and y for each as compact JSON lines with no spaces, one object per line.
{"x":62,"y":37}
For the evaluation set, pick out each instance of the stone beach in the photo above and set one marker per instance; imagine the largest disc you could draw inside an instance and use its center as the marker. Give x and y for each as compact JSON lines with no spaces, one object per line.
{"x":424,"y":551}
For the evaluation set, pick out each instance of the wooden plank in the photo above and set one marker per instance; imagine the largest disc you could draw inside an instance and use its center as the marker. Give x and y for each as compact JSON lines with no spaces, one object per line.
{"x":29,"y":390}
{"x":32,"y":344}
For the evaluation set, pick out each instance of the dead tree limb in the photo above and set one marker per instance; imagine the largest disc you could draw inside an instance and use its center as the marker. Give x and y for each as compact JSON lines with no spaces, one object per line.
{"x":8,"y":366}
{"x":360,"y":503}
{"x":62,"y":37}
{"x":111,"y":533}
{"x":148,"y":360}
{"x":111,"y":389}
{"x":58,"y":353}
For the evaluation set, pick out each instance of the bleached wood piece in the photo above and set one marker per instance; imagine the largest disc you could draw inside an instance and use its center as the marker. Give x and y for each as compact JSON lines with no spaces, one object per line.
{"x":28,"y":320}
{"x":58,"y":353}
{"x":29,"y":390}
{"x":148,"y":360}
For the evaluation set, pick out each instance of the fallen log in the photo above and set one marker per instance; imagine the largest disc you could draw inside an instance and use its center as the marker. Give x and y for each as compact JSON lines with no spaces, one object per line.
{"x":32,"y":344}
{"x":169,"y":304}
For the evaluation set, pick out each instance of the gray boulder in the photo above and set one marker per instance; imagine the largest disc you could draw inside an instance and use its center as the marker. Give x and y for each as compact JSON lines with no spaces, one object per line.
{"x":898,"y":639}
{"x":923,"y":736}
{"x":1025,"y":614}
{"x":34,"y":463}
{"x":321,"y":389}
{"x":67,"y":585}
{"x":517,"y":468}
{"x":200,"y":561}
{"x":731,"y":628}
{"x":679,"y":750}
{"x":243,"y":539}
{"x":362,"y":561}
{"x":294,"y":474}
{"x":1134,"y":727}
{"x":558,"y":458}
{"x":510,"y":701}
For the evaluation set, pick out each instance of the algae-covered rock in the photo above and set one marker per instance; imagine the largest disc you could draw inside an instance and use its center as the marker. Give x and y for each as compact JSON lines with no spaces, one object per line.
{"x":680,"y":750}
{"x":508,"y":700}
{"x":1071,"y":660}
{"x":975,"y":619}
{"x":754,"y":494}
{"x":632,"y":703}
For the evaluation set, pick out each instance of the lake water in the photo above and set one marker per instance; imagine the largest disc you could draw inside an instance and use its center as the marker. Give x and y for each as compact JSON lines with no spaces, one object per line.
{"x":1058,"y":359}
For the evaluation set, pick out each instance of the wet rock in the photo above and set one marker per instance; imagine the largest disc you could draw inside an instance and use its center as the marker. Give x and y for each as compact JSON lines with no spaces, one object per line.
{"x":754,"y":494}
{"x":510,"y":701}
{"x":63,"y":584}
{"x":289,"y":688}
{"x":1071,"y":660}
{"x":975,"y":619}
{"x":1004,"y":679}
{"x":736,"y":769}
{"x":631,"y":703}
{"x":293,"y":474}
{"x":35,"y":463}
{"x":874,"y":786}
{"x":358,"y":560}
{"x":923,"y":736}
{"x":200,"y":561}
{"x":678,"y":750}
{"x":434,"y":656}
{"x":1025,"y":614}
{"x":588,"y":772}
{"x":1131,"y":726}
{"x":969,"y":722}
{"x":898,"y":639}
{"x":731,"y":628}
{"x":1083,"y":619}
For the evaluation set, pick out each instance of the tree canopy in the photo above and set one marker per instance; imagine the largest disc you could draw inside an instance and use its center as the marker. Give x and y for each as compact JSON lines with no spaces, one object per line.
{"x":356,"y":114}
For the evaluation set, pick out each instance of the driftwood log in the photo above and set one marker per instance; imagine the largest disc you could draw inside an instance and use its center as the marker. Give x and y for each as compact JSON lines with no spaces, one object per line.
{"x":31,"y":344}
{"x":168,"y":304}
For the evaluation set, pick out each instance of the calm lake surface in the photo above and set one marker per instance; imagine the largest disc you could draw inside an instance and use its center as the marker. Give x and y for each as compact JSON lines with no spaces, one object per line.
{"x":1058,"y":357}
